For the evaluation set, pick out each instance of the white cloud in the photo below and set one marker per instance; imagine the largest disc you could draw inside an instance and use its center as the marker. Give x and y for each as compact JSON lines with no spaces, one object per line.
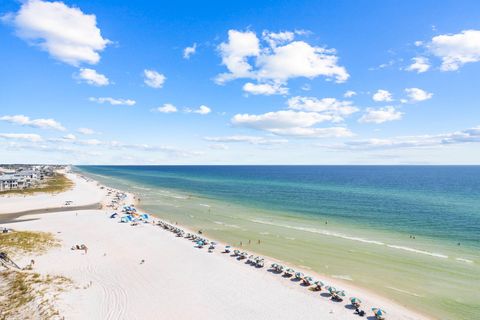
{"x":153,"y":78}
{"x":66,"y":33}
{"x":290,"y":123}
{"x":246,"y":139}
{"x":455,"y":50}
{"x":202,"y":110}
{"x":417,"y":95}
{"x":36,"y":123}
{"x":189,"y":51}
{"x":70,"y":137}
{"x":22,"y":136}
{"x":381,"y":115}
{"x":92,"y":77}
{"x":332,"y":107}
{"x":382,"y":95}
{"x":276,"y":38}
{"x":235,"y":52}
{"x":86,"y":131}
{"x":265,"y":88}
{"x":113,"y":101}
{"x":349,"y":94}
{"x":280,"y":60}
{"x":471,"y":135}
{"x":167,"y":108}
{"x":419,"y":65}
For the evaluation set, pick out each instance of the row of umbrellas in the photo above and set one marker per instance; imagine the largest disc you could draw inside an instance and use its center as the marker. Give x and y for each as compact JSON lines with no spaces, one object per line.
{"x":259,"y":262}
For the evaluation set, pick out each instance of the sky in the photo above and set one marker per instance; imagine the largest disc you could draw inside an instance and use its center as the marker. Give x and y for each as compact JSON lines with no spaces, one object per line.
{"x":240,"y":82}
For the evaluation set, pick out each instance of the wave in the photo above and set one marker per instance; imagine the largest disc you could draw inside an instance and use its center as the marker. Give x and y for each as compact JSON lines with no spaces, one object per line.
{"x":464,"y":260}
{"x":204,"y":205}
{"x":226,"y":224}
{"x":343,"y":277}
{"x":433,"y":254}
{"x":405,"y":291}
{"x":358,"y":239}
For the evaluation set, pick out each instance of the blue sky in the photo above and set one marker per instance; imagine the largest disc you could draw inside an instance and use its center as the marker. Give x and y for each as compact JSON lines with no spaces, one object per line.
{"x":276,"y":82}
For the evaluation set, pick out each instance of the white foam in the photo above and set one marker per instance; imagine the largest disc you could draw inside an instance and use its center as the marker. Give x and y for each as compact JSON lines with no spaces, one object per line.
{"x":204,"y":205}
{"x":464,"y":260}
{"x":406,"y":292}
{"x":358,"y":239}
{"x":343,"y":277}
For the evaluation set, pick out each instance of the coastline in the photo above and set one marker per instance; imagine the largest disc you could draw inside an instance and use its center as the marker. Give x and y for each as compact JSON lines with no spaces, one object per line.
{"x":315,"y":303}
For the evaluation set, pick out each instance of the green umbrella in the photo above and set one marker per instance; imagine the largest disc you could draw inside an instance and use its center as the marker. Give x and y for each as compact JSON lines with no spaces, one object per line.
{"x":355,"y":300}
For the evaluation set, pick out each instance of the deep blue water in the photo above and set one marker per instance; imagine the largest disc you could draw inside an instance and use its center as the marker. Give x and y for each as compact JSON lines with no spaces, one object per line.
{"x":441,"y":202}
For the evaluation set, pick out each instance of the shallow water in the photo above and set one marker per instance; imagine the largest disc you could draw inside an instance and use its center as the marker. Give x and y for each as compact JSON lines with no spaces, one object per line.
{"x":354,"y":223}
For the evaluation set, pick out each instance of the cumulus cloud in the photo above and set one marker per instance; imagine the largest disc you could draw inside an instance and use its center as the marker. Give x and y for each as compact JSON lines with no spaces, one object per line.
{"x":86,"y":131}
{"x":266,"y":89}
{"x":246,"y":139}
{"x":290,"y":123}
{"x":382,"y":95}
{"x":455,"y":50}
{"x":419,"y":65}
{"x":66,"y":33}
{"x":279,"y":60}
{"x":417,"y":95}
{"x":189,"y":51}
{"x":381,"y":115}
{"x":202,"y":110}
{"x":153,"y":79}
{"x":32,"y":137}
{"x":92,"y":77}
{"x":471,"y":135}
{"x":36,"y":123}
{"x":113,"y":101}
{"x":332,"y":107}
{"x":349,"y":94}
{"x":167,"y":108}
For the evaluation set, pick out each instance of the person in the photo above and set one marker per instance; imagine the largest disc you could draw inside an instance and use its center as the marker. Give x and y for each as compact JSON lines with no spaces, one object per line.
{"x":258,"y":241}
{"x":143,"y":261}
{"x":241,"y":244}
{"x":249,"y":241}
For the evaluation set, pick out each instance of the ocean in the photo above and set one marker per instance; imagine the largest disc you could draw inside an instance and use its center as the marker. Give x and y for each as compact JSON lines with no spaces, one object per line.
{"x":410,"y":233}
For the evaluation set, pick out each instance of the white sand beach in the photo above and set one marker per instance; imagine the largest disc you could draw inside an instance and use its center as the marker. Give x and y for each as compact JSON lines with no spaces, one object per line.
{"x":175,"y":281}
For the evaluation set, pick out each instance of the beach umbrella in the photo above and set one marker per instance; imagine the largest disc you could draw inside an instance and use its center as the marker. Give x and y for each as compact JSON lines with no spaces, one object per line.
{"x":332,"y":289}
{"x":340,"y":293}
{"x":355,"y":300}
{"x":274,"y":265}
{"x":298,"y":275}
{"x":308,"y":279}
{"x":290,"y":271}
{"x":378,"y":311}
{"x":319,"y":283}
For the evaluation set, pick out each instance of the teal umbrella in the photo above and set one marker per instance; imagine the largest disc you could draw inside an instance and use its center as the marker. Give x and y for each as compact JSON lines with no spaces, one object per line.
{"x":355,"y":300}
{"x":290,"y":271}
{"x":298,"y":275}
{"x":340,"y":293}
{"x":378,"y":312}
{"x":319,"y":283}
{"x":332,"y":289}
{"x":308,"y":279}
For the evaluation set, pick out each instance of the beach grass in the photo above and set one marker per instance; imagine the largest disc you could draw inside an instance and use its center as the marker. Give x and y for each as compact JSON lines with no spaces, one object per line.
{"x":23,"y":242}
{"x":55,"y":184}
{"x":25,"y":293}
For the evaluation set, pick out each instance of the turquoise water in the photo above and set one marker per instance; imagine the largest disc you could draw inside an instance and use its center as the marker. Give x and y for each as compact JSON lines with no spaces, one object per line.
{"x":414,"y":228}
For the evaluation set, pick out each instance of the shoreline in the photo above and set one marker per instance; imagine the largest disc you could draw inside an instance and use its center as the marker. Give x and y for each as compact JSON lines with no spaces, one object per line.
{"x":395,"y":310}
